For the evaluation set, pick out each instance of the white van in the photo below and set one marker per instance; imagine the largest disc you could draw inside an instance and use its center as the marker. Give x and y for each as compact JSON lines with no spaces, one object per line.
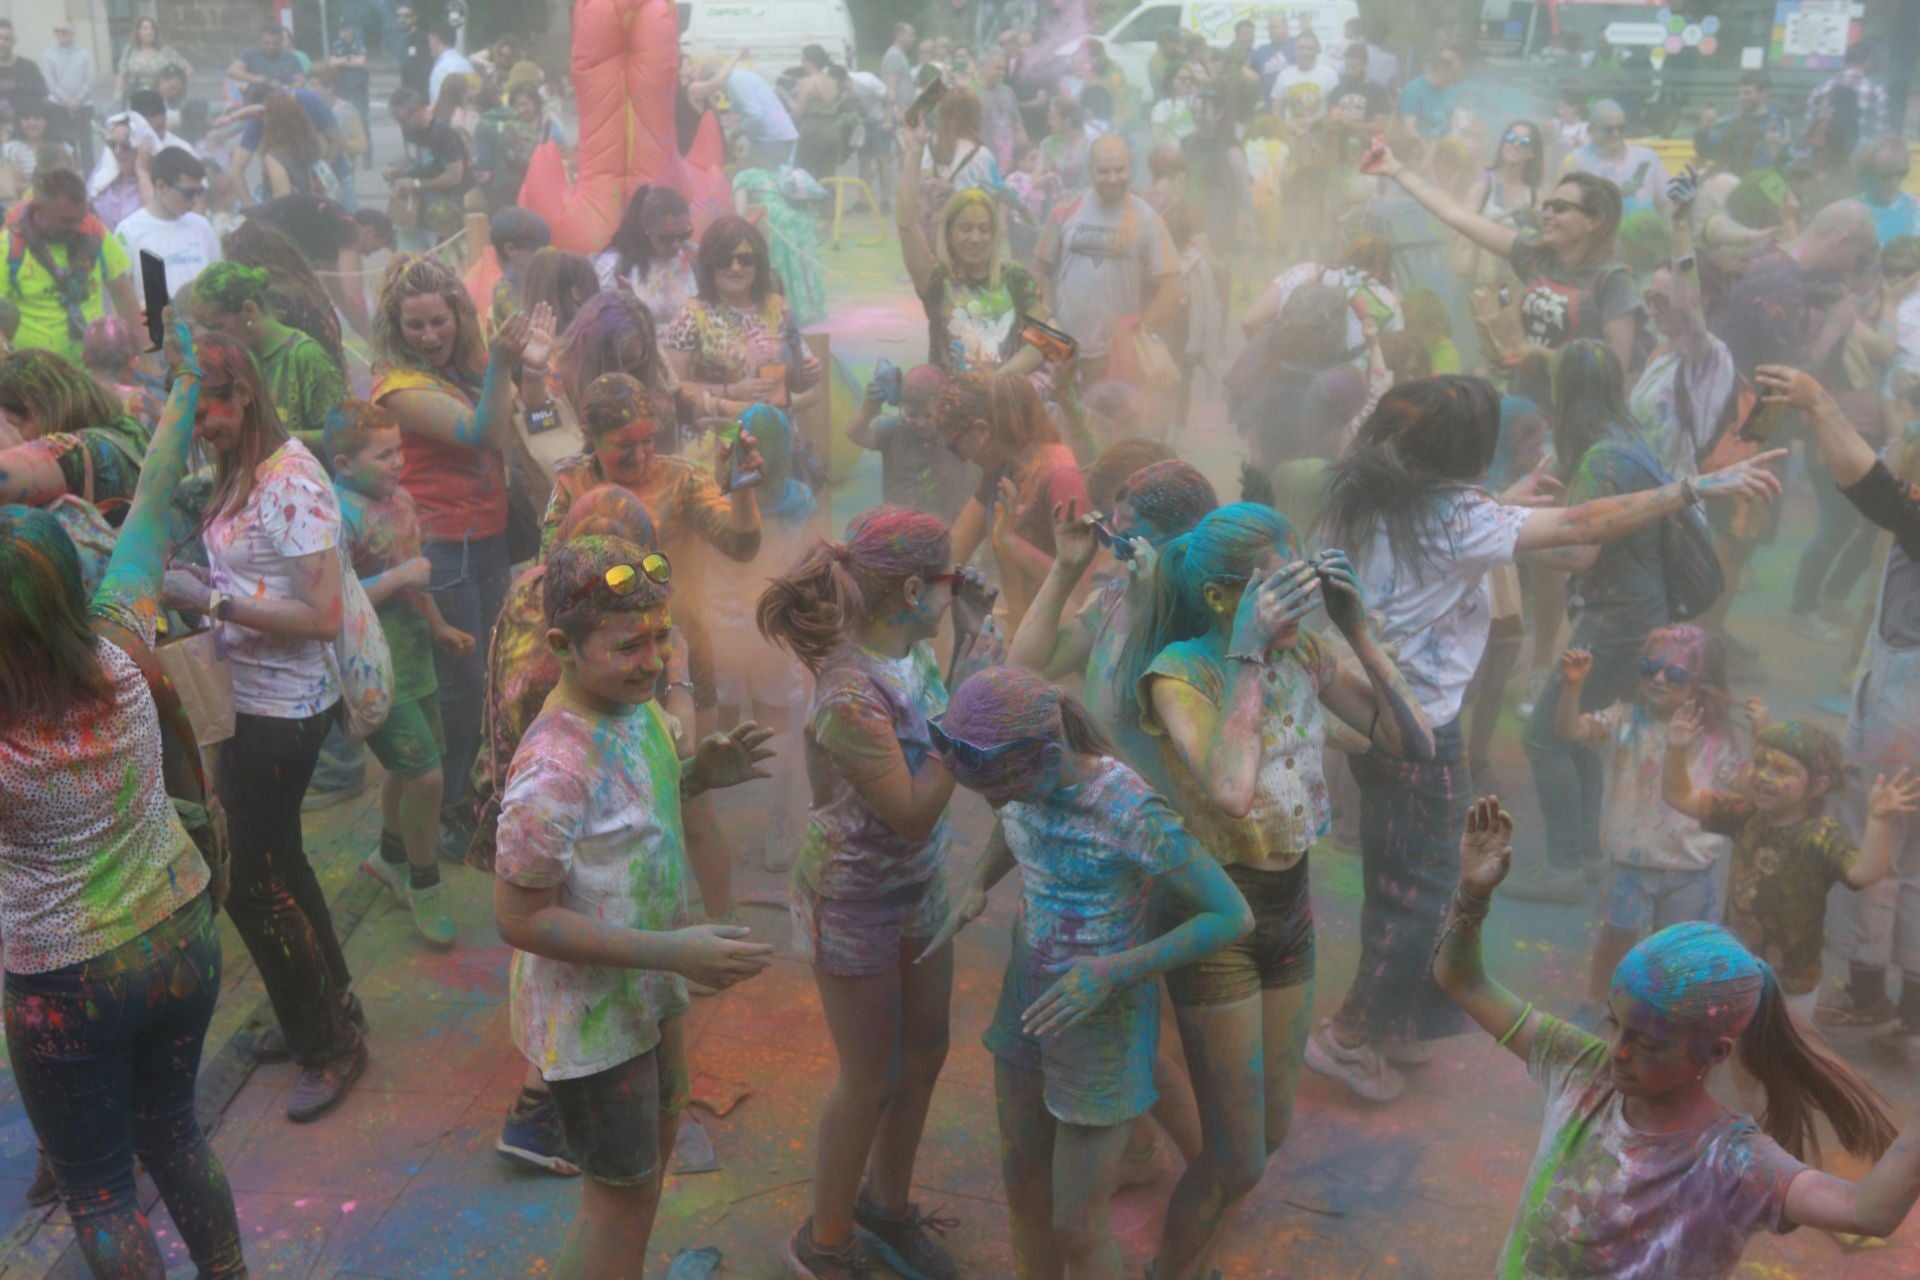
{"x":772,"y":31}
{"x":1131,"y":40}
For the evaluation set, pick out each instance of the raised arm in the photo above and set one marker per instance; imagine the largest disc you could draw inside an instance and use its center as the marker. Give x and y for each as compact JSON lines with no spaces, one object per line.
{"x":1676,"y":777}
{"x":135,"y":569}
{"x":1486,"y":853}
{"x":1568,"y":724}
{"x":914,"y":248}
{"x":1382,"y":698}
{"x":1841,"y":445}
{"x":1494,"y":237}
{"x":1888,"y":806}
{"x":442,"y":418}
{"x":1039,"y":644}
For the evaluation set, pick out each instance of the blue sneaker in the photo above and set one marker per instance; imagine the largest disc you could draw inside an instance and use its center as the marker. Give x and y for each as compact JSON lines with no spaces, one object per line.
{"x":531,"y":1134}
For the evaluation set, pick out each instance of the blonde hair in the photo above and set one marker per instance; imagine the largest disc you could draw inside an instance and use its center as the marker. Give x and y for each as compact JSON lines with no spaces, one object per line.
{"x":958,"y":203}
{"x":414,"y":275}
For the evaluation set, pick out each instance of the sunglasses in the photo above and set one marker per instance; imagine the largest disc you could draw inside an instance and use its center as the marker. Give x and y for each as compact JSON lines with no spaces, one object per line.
{"x":1564,"y":206}
{"x":622,"y":580}
{"x":1122,"y":548}
{"x":975,"y":759}
{"x":1651,"y":667}
{"x":739,"y":260}
{"x":1519,"y":139}
{"x":191,"y":193}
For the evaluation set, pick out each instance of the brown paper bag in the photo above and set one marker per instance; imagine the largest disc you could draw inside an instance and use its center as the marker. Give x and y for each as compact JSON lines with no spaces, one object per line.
{"x":204,"y":681}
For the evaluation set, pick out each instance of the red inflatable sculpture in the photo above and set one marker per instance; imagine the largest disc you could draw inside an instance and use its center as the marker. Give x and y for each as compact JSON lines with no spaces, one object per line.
{"x":626,"y":67}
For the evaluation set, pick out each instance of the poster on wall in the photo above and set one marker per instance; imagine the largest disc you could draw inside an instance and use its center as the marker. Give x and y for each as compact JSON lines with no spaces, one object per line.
{"x":1814,"y":34}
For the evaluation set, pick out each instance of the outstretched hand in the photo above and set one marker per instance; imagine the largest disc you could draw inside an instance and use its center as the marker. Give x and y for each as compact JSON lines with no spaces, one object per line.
{"x":1784,"y":384}
{"x":1685,"y":726}
{"x":1892,"y":797}
{"x":1378,"y":159}
{"x":729,"y":759}
{"x":1074,"y":541}
{"x":1536,"y":488}
{"x":1486,"y":847}
{"x":1748,"y":478}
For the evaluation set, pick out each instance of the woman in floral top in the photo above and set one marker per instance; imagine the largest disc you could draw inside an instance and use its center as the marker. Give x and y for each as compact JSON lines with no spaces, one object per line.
{"x":736,"y":345}
{"x":144,"y":59}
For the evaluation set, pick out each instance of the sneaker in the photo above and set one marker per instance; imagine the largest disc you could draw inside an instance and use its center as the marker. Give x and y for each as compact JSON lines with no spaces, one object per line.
{"x":388,"y":875}
{"x":809,"y":1261}
{"x":1838,"y":1012}
{"x":43,"y":1190}
{"x":531,"y":1134}
{"x":1547,"y":884}
{"x":320,"y":1089}
{"x":430,"y":918}
{"x":905,"y":1241}
{"x":1815,"y":627}
{"x":1408,"y":1053}
{"x":270,"y":1043}
{"x":1362,"y":1068}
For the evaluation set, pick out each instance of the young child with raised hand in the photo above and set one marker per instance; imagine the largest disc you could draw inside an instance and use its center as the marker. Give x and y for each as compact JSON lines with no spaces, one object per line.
{"x":589,"y":891}
{"x":382,"y":540}
{"x":1640,"y":1173}
{"x":1787,"y":853}
{"x":1662,"y":862}
{"x":1073,"y":1035}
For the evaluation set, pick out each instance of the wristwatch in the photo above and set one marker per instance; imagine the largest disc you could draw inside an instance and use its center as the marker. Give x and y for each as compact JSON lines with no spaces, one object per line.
{"x":219,"y":606}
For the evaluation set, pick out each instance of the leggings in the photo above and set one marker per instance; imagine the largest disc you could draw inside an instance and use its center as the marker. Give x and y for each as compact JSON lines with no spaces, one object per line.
{"x":105,"y":1054}
{"x":476,"y":574}
{"x":276,"y":903}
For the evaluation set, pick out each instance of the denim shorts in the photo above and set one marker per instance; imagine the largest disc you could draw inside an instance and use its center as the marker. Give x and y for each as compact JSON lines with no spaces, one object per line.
{"x":1278,"y":953}
{"x":858,"y":939}
{"x":1644,"y":899}
{"x":408,"y":744}
{"x":1098,"y":1071}
{"x":613,"y":1119}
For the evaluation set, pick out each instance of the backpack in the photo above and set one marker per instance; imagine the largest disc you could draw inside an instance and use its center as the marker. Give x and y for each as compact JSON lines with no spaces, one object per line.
{"x":1688,"y":565}
{"x":1269,"y":379}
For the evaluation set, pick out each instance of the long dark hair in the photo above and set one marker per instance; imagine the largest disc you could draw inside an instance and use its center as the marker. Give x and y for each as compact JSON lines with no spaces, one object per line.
{"x":48,"y":663}
{"x":1603,"y":204}
{"x":1589,"y":402}
{"x":813,"y":608}
{"x":632,"y":244}
{"x":1536,"y":165}
{"x":562,"y":280}
{"x":1423,"y":439}
{"x":612,"y":333}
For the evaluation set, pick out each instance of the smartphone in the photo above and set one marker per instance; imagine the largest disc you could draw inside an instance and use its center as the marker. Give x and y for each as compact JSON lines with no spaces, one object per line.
{"x":1056,"y":345}
{"x":736,"y":478}
{"x":924,"y":104}
{"x":1122,"y":548}
{"x":154,"y":296}
{"x":1761,"y":422}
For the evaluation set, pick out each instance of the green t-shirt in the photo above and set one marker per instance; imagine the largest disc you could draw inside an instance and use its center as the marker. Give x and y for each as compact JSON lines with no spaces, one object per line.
{"x":380,"y":534}
{"x":43,"y":321}
{"x":305,"y":383}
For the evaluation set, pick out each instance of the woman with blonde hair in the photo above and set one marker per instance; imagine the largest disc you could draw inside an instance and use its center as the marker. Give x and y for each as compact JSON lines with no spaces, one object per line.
{"x":453,"y":398}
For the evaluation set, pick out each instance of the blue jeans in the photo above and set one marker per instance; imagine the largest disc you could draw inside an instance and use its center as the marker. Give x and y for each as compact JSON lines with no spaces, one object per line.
{"x":106,"y":1053}
{"x":1568,"y":779}
{"x":477,"y":574}
{"x":1841,"y":550}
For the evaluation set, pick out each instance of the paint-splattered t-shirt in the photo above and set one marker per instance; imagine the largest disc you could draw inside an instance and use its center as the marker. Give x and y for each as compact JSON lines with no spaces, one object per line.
{"x":1433,"y":619}
{"x":1777,"y":883}
{"x":1088,"y":856}
{"x":1106,"y":693}
{"x":868,"y":717}
{"x":91,"y":852}
{"x":592,"y":806}
{"x":1291,"y":808}
{"x":290,"y":513}
{"x":1638,"y":828}
{"x":1603,"y":1199}
{"x":380,"y":534}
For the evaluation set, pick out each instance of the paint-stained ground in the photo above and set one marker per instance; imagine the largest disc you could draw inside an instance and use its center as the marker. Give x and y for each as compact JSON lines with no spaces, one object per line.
{"x":402,"y":1183}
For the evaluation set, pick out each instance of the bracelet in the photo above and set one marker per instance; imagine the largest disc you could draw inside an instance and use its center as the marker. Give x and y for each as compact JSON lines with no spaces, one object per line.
{"x":1257,"y":659}
{"x":1690,"y":492}
{"x":1518,"y":1023}
{"x":680,"y":684}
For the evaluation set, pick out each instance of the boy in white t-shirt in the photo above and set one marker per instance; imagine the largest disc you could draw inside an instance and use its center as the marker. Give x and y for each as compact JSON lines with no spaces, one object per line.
{"x":590,"y":893}
{"x":167,"y":225}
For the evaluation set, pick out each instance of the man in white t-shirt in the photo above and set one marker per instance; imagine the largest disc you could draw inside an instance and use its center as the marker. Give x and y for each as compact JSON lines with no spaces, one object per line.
{"x":447,"y":60}
{"x":1302,"y":91}
{"x":167,"y":226}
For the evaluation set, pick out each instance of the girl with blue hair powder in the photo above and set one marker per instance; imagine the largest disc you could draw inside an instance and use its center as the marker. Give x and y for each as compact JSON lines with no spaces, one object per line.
{"x":1640,"y":1174}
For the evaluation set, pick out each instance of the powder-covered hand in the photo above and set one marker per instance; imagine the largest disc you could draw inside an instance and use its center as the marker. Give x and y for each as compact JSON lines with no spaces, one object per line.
{"x":963,"y":913}
{"x":1486,"y":847}
{"x":1340,"y":590}
{"x":1082,"y":988}
{"x":718,"y":955}
{"x":729,"y":759}
{"x":1748,"y":478}
{"x":1270,"y":605}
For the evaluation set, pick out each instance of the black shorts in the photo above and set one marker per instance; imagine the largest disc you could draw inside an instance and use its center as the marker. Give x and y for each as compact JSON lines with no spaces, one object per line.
{"x":613,"y":1119}
{"x":1278,"y":953}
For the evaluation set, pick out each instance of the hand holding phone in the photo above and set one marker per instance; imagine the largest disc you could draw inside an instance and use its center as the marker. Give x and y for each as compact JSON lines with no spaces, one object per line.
{"x":154,"y":298}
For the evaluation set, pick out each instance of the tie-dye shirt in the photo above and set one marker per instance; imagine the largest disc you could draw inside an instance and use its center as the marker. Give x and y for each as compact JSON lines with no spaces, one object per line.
{"x":592,"y":807}
{"x":869,"y":715}
{"x":291,"y":512}
{"x":1777,"y":884}
{"x":1604,"y":1199}
{"x":1291,"y":807}
{"x":1088,"y":856}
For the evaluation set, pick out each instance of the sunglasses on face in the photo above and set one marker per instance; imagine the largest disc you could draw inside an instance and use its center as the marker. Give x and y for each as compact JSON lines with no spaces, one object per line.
{"x":975,"y":759}
{"x":1518,"y":139}
{"x":1610,"y":128}
{"x":189,"y":193}
{"x":744,"y":261}
{"x":1652,"y":667}
{"x":623,"y":580}
{"x":1565,"y":206}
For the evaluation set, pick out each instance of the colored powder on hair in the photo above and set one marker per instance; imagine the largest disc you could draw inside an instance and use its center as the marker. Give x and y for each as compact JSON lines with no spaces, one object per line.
{"x":1697,"y":976}
{"x":1816,"y":749}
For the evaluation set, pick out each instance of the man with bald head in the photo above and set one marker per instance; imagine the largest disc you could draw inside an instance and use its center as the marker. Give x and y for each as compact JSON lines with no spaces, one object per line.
{"x":1636,"y":170}
{"x":1106,"y":256}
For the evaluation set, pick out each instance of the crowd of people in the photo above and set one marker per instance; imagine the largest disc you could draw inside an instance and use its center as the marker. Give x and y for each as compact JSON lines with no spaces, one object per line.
{"x":1568,"y":435}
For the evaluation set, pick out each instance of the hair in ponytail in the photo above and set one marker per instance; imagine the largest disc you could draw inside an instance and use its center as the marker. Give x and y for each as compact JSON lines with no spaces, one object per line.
{"x":1700,"y":978}
{"x":1006,"y":704}
{"x":812,"y":608}
{"x":1228,"y":546}
{"x":1802,"y":1074}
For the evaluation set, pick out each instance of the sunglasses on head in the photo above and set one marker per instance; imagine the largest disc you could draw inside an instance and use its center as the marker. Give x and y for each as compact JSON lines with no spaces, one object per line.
{"x":971,"y":758}
{"x":1518,"y":139}
{"x":1651,"y":667}
{"x":744,"y":260}
{"x":1565,"y":206}
{"x":624,"y":579}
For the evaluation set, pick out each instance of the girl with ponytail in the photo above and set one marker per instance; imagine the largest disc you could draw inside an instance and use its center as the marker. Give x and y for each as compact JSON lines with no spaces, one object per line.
{"x":867,"y":893}
{"x":1232,"y":688}
{"x":1639,"y":1171}
{"x":1073,"y":1034}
